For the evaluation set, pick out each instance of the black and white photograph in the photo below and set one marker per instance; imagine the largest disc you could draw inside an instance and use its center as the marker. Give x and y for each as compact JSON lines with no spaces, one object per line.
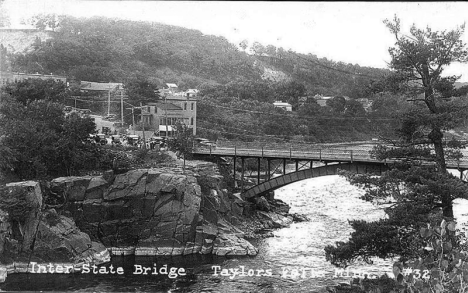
{"x":233,"y":146}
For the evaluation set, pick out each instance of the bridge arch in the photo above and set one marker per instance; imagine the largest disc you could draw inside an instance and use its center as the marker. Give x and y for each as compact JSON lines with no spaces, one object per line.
{"x":331,"y":169}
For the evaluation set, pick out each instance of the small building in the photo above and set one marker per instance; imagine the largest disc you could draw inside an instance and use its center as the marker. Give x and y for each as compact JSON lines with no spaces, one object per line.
{"x":322,"y":101}
{"x":7,"y":76}
{"x":165,"y":114}
{"x":99,"y":88}
{"x":283,"y":105}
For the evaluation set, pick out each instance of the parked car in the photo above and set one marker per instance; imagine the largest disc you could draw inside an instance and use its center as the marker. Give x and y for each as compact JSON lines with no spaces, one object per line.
{"x":110,"y":117}
{"x":116,"y":139}
{"x":101,"y":138}
{"x":132,"y":139}
{"x":208,"y":143}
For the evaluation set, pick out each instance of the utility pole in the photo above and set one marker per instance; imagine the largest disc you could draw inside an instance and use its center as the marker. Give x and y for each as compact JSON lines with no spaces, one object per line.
{"x":108,"y":103}
{"x":133,"y":121}
{"x":165,"y":114}
{"x":143,"y":125}
{"x":121,"y":107}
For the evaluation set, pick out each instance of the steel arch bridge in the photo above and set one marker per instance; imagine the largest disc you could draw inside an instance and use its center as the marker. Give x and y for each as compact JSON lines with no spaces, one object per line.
{"x":355,"y":158}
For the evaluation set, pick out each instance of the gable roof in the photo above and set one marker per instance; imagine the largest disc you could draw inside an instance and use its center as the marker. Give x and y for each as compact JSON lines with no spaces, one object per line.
{"x":100,"y":86}
{"x":171,"y":85}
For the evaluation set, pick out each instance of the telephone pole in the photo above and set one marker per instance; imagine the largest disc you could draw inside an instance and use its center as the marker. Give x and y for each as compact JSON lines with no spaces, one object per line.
{"x":165,"y":114}
{"x":121,"y":107}
{"x":108,"y":103}
{"x":143,"y":125}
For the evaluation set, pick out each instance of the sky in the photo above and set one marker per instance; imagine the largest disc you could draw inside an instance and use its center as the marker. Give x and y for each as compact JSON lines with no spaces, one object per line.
{"x":351,"y":32}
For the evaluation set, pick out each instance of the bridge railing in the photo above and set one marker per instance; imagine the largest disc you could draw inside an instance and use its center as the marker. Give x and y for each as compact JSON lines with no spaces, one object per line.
{"x":357,"y":153}
{"x":320,"y":154}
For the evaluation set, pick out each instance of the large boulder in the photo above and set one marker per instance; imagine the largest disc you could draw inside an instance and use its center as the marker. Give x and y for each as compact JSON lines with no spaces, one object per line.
{"x":58,"y":239}
{"x":70,"y":188}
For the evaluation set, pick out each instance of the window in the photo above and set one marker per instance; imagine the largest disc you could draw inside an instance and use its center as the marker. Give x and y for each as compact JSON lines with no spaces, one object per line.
{"x":192,"y":106}
{"x":185,"y":106}
{"x":191,"y":119}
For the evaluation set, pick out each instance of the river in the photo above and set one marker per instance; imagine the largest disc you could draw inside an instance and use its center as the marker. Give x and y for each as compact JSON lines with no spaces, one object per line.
{"x":329,"y":202}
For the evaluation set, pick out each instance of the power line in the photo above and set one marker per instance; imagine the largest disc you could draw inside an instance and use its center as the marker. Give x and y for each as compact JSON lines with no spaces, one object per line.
{"x":225,"y":126}
{"x":243,"y":134}
{"x":326,"y":66}
{"x":305,"y":117}
{"x":334,"y":69}
{"x":281,"y":138}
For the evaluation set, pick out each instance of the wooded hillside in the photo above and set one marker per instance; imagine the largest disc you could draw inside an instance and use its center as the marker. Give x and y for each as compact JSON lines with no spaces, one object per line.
{"x":109,"y":50}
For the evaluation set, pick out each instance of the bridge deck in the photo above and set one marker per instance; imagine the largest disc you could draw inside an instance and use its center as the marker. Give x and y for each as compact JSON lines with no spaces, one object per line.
{"x":326,"y":155}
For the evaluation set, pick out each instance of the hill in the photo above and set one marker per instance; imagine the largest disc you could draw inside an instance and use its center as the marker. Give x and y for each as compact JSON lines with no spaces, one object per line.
{"x":110,"y":50}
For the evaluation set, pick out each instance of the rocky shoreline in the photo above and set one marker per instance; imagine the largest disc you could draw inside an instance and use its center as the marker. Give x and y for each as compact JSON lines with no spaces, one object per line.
{"x":143,"y":212}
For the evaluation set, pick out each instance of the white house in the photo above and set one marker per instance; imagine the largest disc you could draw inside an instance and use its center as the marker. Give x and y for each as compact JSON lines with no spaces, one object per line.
{"x":283,"y":105}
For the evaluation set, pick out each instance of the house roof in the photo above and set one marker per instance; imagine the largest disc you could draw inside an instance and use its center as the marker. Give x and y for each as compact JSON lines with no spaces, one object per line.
{"x":171,"y":85}
{"x":282,"y":104}
{"x":100,"y":86}
{"x":165,"y":106}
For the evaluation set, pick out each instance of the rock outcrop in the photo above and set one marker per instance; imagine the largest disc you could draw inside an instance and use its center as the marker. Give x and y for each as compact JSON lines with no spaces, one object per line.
{"x":156,"y":212}
{"x":28,"y":232}
{"x":144,"y":212}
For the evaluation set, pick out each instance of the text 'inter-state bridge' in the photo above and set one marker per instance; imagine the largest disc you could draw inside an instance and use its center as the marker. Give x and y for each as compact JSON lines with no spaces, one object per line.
{"x":309,"y":163}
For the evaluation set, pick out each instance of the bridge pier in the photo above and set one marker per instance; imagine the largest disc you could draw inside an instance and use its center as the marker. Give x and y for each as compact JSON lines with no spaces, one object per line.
{"x":268,"y":167}
{"x":258,"y":170}
{"x":242,"y":174}
{"x":235,"y":159}
{"x":284,"y":166}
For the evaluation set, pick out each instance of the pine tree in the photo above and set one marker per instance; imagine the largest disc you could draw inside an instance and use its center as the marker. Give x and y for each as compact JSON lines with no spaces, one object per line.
{"x":418,"y":189}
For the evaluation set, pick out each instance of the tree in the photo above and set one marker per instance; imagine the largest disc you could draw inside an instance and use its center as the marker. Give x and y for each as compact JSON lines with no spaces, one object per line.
{"x":257,"y":48}
{"x":42,"y":142}
{"x":140,"y":89}
{"x":419,"y":61}
{"x":45,"y":21}
{"x":418,"y":188}
{"x":244,"y":44}
{"x":290,"y":92}
{"x":183,"y":142}
{"x":271,"y":50}
{"x":37,"y":89}
{"x":337,"y":104}
{"x":354,"y":108}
